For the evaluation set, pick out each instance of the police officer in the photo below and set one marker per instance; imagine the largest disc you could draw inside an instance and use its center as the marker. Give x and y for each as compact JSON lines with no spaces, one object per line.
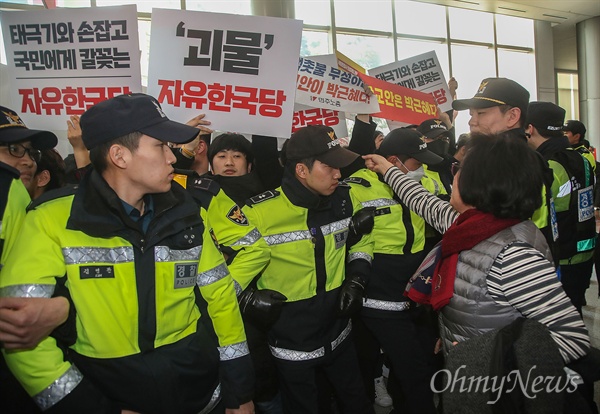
{"x":232,"y":182}
{"x":572,"y":190}
{"x":306,"y":223}
{"x":575,"y":131}
{"x":126,"y":244}
{"x":438,"y":138}
{"x":399,"y":243}
{"x":19,"y":153}
{"x":499,"y":105}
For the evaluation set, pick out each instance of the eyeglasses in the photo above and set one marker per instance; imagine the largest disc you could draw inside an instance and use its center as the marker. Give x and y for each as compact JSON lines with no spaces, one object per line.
{"x":455,"y":168}
{"x":19,"y":150}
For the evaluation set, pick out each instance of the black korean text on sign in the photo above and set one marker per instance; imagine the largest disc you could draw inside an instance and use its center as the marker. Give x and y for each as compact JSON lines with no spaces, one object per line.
{"x":37,"y":60}
{"x":106,"y":57}
{"x":51,"y":33}
{"x":102,"y":31}
{"x":237,"y":51}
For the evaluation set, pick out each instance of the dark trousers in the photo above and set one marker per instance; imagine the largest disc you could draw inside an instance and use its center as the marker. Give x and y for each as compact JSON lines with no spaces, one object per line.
{"x":410,"y":360}
{"x":13,"y":398}
{"x":298,"y":382}
{"x":575,"y":280}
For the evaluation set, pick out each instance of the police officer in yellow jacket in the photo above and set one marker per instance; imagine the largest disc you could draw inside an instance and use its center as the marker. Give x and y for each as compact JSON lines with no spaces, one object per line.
{"x":132,"y":251}
{"x":306,"y":222}
{"x":220,"y":195}
{"x":399,"y":243}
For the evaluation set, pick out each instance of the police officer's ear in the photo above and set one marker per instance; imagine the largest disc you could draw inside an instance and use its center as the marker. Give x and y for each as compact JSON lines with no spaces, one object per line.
{"x":393,"y":159}
{"x":301,"y":170}
{"x":514,"y":116}
{"x":249,"y":167}
{"x":117,"y":155}
{"x":42,"y":178}
{"x":528,"y":130}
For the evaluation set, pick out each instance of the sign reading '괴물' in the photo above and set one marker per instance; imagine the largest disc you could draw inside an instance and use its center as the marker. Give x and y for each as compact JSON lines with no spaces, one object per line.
{"x":238,"y":70}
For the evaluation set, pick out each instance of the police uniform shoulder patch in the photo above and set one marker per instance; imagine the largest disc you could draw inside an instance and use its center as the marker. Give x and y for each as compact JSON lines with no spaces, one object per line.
{"x":52,"y":195}
{"x":204,"y":183}
{"x":267,"y":195}
{"x":357,"y":180}
{"x":236,"y":215}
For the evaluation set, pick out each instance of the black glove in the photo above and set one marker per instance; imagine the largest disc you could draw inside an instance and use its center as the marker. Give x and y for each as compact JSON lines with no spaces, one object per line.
{"x":351,"y":296}
{"x":362,"y":223}
{"x":262,"y":307}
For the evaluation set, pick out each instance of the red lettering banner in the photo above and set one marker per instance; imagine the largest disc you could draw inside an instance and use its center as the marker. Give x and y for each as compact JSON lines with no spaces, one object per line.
{"x":402,"y":104}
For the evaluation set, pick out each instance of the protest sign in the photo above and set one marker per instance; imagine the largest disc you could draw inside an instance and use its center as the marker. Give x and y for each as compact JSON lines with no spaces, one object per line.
{"x":401,"y":104}
{"x":305,"y":115}
{"x":422,"y":73}
{"x":61,"y":62}
{"x":323,"y":86}
{"x":243,"y":79}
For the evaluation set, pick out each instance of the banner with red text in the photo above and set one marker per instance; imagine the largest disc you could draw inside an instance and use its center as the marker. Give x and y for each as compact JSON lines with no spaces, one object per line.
{"x":305,"y":115}
{"x":422,"y":73}
{"x":401,"y":104}
{"x":238,"y":70}
{"x":61,"y":62}
{"x":323,"y":86}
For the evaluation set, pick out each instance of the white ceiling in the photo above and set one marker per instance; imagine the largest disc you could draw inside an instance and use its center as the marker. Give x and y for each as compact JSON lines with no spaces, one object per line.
{"x":563,"y":14}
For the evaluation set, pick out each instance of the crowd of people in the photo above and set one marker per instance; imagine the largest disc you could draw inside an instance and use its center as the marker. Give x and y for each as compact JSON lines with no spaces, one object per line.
{"x":157,"y":270}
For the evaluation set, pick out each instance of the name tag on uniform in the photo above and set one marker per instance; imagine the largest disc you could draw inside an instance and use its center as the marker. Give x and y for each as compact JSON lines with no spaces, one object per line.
{"x":185,"y":275}
{"x":585,"y":203}
{"x":340,"y":238}
{"x":97,"y":272}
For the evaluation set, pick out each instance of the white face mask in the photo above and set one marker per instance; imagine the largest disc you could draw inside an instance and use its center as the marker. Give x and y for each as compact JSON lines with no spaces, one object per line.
{"x":416,"y":174}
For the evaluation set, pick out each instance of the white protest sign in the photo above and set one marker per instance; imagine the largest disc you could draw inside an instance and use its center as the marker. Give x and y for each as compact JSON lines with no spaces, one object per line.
{"x":238,"y":70}
{"x":422,"y":73}
{"x":324,"y":86}
{"x":61,"y":62}
{"x":304,"y":115}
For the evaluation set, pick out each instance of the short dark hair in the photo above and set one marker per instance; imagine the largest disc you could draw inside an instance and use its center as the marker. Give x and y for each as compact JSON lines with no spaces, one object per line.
{"x":98,"y":154}
{"x":234,"y":142}
{"x":463,"y":140}
{"x":309,"y":162}
{"x":501,"y":175}
{"x":522,"y":119}
{"x":54,"y":163}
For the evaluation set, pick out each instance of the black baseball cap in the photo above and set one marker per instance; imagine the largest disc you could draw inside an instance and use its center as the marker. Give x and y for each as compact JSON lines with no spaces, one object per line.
{"x":546,"y":117}
{"x":13,"y":129}
{"x":496,"y":92}
{"x":575,"y":127}
{"x":124,"y":114}
{"x":402,"y":141}
{"x":432,"y":128}
{"x":318,"y":141}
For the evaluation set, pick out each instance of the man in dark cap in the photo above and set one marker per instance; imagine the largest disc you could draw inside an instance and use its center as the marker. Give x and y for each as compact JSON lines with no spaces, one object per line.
{"x":499,"y":105}
{"x":306,"y":223}
{"x":572,"y":191}
{"x":439,"y":136}
{"x":387,"y":320}
{"x":20,"y":319}
{"x":134,"y":254}
{"x":575,"y":131}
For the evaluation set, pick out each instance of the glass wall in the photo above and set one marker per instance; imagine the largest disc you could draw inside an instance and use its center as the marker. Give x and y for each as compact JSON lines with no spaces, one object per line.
{"x":470,"y":45}
{"x":568,"y":93}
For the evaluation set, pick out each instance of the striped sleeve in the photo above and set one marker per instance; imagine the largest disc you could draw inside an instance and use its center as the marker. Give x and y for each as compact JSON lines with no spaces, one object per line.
{"x":522,"y":278}
{"x":436,"y":212}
